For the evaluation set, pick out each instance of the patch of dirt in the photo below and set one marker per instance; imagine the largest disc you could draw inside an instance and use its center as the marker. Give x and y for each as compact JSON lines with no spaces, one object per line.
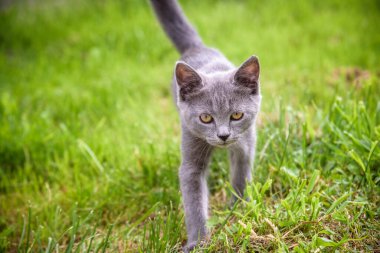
{"x":352,"y":75}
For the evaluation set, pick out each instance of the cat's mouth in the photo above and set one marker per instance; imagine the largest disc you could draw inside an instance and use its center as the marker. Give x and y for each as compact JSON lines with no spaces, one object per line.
{"x":224,"y":145}
{"x":221,"y":144}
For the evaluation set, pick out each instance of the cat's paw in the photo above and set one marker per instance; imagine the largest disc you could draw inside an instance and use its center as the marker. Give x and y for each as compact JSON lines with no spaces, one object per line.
{"x":189,"y":246}
{"x":234,"y":200}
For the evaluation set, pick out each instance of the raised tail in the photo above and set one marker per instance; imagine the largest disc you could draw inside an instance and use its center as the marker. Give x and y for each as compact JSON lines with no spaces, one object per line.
{"x":175,"y":24}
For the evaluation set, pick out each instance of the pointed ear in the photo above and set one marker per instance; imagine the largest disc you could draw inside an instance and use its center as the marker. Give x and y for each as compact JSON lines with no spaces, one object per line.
{"x":247,"y":76}
{"x":188,"y":80}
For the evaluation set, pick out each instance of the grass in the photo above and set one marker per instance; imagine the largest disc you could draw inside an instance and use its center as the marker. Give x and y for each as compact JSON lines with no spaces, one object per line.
{"x":89,"y":136}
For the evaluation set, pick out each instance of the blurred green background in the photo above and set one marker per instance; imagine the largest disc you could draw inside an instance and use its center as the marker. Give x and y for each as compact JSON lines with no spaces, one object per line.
{"x":89,"y":134}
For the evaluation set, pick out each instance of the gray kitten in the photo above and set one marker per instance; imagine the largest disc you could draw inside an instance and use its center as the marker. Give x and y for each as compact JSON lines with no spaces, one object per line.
{"x":218,"y":104}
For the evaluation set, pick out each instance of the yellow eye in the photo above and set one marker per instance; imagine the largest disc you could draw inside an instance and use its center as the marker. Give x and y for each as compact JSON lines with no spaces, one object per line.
{"x":237,"y":115}
{"x":205,"y":118}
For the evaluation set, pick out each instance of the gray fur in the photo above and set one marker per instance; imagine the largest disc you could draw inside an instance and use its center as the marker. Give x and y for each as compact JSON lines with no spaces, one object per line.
{"x":206,"y":82}
{"x":175,"y":24}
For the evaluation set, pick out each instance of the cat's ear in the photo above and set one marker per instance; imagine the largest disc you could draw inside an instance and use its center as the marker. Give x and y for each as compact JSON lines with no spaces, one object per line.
{"x":247,"y":75}
{"x":188,"y":80}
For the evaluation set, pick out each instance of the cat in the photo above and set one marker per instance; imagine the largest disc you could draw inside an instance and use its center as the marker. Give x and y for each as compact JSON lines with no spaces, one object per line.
{"x":218,"y":104}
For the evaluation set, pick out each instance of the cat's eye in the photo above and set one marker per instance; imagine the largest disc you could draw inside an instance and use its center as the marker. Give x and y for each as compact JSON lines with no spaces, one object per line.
{"x":205,"y":118}
{"x":237,"y":116}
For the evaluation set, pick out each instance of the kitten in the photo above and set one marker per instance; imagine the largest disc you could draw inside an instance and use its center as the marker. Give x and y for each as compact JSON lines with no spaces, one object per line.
{"x":218,"y":104}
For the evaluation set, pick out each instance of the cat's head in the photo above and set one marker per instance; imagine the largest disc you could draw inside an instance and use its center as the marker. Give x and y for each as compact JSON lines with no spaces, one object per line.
{"x":221,"y":106}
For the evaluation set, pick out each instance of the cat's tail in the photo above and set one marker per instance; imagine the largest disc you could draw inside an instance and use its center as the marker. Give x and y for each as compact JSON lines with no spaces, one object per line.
{"x":175,"y":24}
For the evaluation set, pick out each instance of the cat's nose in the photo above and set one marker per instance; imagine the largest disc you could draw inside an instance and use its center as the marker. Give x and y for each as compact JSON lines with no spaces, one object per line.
{"x":223,"y":137}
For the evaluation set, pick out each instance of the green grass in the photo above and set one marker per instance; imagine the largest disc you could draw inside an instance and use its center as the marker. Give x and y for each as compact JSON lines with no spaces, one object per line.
{"x":89,"y":135}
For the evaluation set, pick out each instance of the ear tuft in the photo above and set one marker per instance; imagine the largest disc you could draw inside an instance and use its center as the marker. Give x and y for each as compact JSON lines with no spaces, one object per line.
{"x":188,"y":80}
{"x":247,"y":75}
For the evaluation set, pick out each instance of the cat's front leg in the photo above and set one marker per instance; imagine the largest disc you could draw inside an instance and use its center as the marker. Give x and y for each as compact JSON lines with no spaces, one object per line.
{"x":195,"y":157}
{"x":194,"y":194}
{"x":241,"y":162}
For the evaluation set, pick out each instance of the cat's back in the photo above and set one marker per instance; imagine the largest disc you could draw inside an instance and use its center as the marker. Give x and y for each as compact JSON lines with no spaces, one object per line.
{"x":206,"y":60}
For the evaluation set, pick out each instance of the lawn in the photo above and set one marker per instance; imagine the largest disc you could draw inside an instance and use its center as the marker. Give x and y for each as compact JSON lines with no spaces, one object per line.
{"x":89,"y":134}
